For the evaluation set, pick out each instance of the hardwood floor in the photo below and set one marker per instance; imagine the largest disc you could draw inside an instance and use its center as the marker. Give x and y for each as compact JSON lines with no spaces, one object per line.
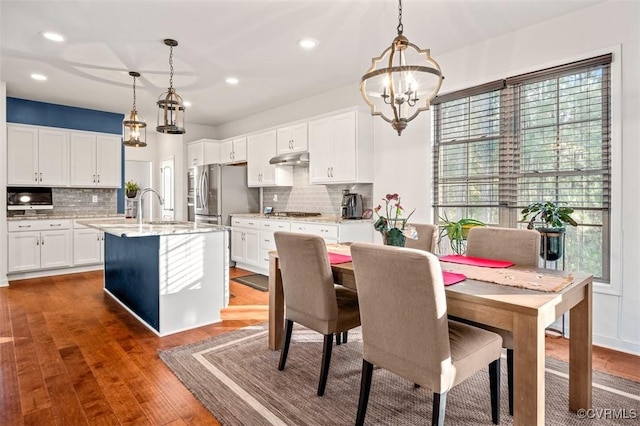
{"x":70,"y":355}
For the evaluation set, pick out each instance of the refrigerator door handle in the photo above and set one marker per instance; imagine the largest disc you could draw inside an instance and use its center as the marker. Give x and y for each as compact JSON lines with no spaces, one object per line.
{"x":205,"y":190}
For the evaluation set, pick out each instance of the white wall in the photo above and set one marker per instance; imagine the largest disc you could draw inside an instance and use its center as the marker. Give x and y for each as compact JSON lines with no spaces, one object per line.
{"x":403,"y":164}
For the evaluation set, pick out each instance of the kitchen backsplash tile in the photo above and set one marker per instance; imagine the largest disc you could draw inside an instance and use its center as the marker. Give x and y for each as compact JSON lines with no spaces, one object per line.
{"x":325,"y":199}
{"x":79,"y":201}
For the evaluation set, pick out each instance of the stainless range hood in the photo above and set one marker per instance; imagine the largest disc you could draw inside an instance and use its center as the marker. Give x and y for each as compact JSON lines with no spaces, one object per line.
{"x":291,"y":159}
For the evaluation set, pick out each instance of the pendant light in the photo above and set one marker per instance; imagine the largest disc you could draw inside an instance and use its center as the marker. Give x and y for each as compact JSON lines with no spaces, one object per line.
{"x":170,"y":106}
{"x":134,"y":129}
{"x":401,"y":81}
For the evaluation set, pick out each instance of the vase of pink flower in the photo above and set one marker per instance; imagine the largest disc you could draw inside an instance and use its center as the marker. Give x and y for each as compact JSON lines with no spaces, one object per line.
{"x":390,"y":223}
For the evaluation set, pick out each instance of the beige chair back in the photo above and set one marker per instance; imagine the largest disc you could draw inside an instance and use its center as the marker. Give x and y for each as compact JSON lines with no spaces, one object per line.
{"x":307,"y":281}
{"x":427,"y":237}
{"x":403,"y":310}
{"x":520,"y":246}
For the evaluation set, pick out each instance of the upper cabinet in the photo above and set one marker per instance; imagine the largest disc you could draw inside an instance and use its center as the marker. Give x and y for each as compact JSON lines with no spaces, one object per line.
{"x":96,"y":160}
{"x":292,"y":139}
{"x":203,"y":151}
{"x":341,"y":148}
{"x":233,"y":150}
{"x":261,"y":147}
{"x":37,"y":156}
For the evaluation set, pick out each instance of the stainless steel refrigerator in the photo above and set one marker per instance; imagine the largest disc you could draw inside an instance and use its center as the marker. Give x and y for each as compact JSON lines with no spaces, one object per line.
{"x":222,"y":190}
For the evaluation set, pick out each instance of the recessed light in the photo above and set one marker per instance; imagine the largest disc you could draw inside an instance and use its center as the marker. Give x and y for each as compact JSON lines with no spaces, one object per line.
{"x":186,"y":104}
{"x":232,"y":80}
{"x":38,"y":77}
{"x":53,"y":36}
{"x":307,"y":43}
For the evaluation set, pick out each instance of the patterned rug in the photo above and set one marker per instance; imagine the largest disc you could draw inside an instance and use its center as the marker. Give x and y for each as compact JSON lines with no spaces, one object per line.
{"x":235,"y":376}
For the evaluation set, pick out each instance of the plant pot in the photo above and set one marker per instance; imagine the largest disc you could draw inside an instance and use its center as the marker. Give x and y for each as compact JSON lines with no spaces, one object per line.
{"x":131,"y":194}
{"x":551,"y":243}
{"x":393,"y":237}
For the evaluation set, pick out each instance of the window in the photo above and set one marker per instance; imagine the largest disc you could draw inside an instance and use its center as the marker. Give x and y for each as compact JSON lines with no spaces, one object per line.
{"x":535,"y":137}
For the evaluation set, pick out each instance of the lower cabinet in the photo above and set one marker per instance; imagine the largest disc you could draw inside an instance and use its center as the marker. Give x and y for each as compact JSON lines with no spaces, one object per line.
{"x":41,"y":244}
{"x":88,"y":246}
{"x":245,"y":242}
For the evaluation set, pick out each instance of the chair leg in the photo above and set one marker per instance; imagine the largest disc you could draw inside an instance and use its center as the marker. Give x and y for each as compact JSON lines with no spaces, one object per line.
{"x":338,"y":339}
{"x":510,"y":379}
{"x":365,"y":387}
{"x":344,"y":336}
{"x":494,"y":385}
{"x":326,"y":361}
{"x":439,"y":405}
{"x":286,"y":340}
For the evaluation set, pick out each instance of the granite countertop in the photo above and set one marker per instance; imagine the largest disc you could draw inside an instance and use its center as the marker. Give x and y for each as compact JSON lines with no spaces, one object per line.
{"x":64,"y":216}
{"x":130,"y":227}
{"x":317,"y":219}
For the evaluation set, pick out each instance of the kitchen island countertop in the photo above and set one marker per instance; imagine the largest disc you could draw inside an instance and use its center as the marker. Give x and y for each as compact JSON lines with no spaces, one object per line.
{"x":131,"y":228}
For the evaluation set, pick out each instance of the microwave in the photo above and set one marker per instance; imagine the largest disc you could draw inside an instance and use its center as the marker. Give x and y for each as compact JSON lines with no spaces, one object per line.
{"x":23,"y":198}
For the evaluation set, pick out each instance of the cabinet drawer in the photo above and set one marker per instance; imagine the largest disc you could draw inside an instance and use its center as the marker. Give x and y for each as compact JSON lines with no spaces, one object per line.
{"x":325,"y":231}
{"x":38,"y":225}
{"x":275,"y":225}
{"x":244,"y":222}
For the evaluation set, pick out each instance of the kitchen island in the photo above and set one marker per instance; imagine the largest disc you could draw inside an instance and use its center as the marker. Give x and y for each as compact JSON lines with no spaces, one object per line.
{"x":172,"y":276}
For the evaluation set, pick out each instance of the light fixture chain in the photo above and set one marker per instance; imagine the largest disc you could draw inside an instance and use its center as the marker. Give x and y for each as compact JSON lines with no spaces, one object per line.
{"x":134,"y":93}
{"x":400,"y":26}
{"x":171,"y":66}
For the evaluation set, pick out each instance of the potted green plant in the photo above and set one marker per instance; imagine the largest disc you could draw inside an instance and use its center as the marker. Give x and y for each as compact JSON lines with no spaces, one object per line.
{"x":554,"y":218}
{"x":457,"y":231}
{"x":131,"y":188}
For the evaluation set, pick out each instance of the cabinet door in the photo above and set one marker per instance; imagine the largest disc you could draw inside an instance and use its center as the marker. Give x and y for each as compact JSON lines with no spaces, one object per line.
{"x":268,"y":151}
{"x":284,"y":140}
{"x":108,"y":161}
{"x":195,"y":154}
{"x":83,"y":159}
{"x":252,"y":247}
{"x":87,"y":246}
{"x":254,"y":160}
{"x":226,"y":152}
{"x":319,"y":151}
{"x":211,"y":152}
{"x":343,"y":142}
{"x":53,"y":157}
{"x":299,"y":137}
{"x":24,"y":251}
{"x":237,"y":245}
{"x":240,"y":150}
{"x":22,"y":155}
{"x":55,"y":249}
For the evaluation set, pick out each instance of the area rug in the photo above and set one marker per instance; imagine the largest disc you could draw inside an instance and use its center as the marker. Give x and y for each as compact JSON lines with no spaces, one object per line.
{"x":235,"y":376}
{"x":257,"y":281}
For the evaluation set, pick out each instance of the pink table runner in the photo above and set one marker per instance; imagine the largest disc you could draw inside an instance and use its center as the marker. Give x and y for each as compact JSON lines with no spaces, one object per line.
{"x":476,"y":261}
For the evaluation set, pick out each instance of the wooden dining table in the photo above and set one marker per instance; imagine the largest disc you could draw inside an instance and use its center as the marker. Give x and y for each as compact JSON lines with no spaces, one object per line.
{"x":526,"y":313}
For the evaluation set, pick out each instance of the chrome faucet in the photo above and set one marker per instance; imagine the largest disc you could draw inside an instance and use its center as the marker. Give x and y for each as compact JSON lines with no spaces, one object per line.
{"x":144,"y":191}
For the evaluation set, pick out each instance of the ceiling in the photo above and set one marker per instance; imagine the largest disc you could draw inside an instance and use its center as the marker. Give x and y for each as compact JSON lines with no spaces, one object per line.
{"x":252,"y":40}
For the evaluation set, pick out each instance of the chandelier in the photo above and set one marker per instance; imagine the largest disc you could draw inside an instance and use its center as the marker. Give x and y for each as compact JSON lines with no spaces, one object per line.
{"x":134,"y":129}
{"x":170,"y":106}
{"x":401,"y":82}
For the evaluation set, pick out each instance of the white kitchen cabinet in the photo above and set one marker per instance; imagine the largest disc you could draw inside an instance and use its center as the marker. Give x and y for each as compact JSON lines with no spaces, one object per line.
{"x":245,"y":242}
{"x":261,"y":148}
{"x":203,"y":151}
{"x":233,"y":151}
{"x":88,"y":245}
{"x":329,"y":232}
{"x":37,"y":156}
{"x":267,"y":242}
{"x":292,"y":138}
{"x":341,"y":148}
{"x":95,"y":160}
{"x":39,"y":244}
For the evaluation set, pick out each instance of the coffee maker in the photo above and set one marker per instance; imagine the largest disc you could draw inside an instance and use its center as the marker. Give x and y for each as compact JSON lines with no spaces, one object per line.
{"x":351,"y":205}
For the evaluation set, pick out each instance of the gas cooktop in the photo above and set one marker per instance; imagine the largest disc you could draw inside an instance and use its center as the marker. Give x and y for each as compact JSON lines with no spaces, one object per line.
{"x":294,"y":214}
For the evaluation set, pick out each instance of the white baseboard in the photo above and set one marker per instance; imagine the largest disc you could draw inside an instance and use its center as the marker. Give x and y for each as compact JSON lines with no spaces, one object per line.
{"x":52,"y":272}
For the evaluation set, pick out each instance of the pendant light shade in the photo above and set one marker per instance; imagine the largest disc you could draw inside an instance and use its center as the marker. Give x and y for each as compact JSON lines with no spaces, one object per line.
{"x":134,"y":129}
{"x":401,"y":82}
{"x":170,"y":106}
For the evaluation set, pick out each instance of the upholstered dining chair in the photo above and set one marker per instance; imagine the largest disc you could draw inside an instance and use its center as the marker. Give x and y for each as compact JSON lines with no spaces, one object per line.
{"x":403,"y":309}
{"x":520,"y":246}
{"x":310,"y":295}
{"x":427,"y":237}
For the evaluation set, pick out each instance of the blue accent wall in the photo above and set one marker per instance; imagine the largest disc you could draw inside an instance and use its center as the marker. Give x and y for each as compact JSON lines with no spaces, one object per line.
{"x":52,"y":115}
